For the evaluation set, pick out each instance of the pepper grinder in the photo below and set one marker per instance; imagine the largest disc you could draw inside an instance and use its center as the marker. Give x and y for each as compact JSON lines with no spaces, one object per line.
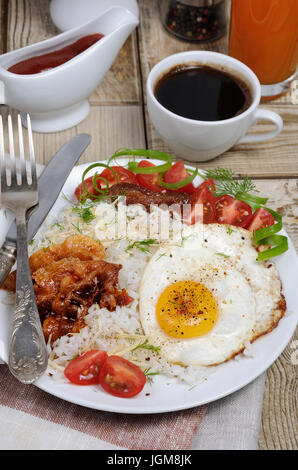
{"x":195,"y":20}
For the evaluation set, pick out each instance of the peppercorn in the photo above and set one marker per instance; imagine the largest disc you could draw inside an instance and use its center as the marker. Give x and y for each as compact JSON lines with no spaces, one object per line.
{"x":194,"y":23}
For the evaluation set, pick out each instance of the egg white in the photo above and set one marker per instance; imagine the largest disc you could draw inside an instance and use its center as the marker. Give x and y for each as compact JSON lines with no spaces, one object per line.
{"x":246,"y":291}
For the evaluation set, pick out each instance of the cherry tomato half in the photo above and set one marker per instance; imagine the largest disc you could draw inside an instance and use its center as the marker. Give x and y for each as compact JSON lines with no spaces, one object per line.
{"x":121,"y":378}
{"x":84,"y":369}
{"x":124,"y":176}
{"x":203,"y":195}
{"x":260,"y":219}
{"x":149,"y":181}
{"x":209,"y":183}
{"x":231,"y":211}
{"x":178,"y":173}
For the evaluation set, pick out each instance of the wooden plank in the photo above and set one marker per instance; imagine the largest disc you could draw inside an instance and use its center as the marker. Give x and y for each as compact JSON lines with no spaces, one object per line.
{"x":121,"y":85}
{"x":279,"y":429}
{"x":269,"y":159}
{"x":3,"y":26}
{"x":111,"y":127}
{"x":283,"y":197}
{"x":29,"y":21}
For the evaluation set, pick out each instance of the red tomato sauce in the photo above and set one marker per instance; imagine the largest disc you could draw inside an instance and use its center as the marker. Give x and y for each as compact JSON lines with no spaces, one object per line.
{"x":53,"y":59}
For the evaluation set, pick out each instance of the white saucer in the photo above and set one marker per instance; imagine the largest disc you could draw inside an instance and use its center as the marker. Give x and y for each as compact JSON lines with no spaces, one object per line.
{"x":70,"y":14}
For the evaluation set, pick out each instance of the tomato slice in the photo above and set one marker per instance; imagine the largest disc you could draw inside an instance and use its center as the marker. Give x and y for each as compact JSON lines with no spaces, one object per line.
{"x":178,"y":173}
{"x":84,"y":370}
{"x":124,"y":176}
{"x":121,"y":378}
{"x":231,"y":211}
{"x":260,"y":219}
{"x":81,"y":194}
{"x":149,"y":181}
{"x":202,"y":195}
{"x":209,"y":183}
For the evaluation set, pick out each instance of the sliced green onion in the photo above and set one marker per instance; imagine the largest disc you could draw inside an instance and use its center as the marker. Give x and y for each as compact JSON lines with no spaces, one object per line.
{"x":179,"y":184}
{"x":263,"y":236}
{"x":153,"y":154}
{"x":267,"y":236}
{"x":250,"y":198}
{"x":262,"y":233}
{"x":94,"y":182}
{"x":281,"y":245}
{"x":102,"y":192}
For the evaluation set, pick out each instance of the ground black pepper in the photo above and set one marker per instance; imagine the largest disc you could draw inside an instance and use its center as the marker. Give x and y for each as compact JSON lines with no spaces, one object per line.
{"x":198,"y":21}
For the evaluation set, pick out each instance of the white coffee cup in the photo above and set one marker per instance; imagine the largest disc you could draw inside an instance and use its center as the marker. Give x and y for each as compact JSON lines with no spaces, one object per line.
{"x":203,"y":140}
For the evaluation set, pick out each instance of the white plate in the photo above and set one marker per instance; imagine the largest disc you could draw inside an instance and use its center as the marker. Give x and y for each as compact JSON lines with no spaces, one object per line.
{"x":68,"y":14}
{"x":165,"y":394}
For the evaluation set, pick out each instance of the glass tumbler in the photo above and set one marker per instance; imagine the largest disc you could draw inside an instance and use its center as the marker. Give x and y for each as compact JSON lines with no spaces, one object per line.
{"x":264,"y":35}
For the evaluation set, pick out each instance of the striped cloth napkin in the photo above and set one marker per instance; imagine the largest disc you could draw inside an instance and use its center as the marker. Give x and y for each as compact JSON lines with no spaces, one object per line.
{"x":31,"y":419}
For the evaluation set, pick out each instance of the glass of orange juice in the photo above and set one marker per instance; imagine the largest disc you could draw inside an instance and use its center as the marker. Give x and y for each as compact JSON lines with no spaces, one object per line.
{"x":264,"y":35}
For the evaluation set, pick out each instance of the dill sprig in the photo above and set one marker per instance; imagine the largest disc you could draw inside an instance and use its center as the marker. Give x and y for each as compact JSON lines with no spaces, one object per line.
{"x":149,"y":375}
{"x":84,"y":213}
{"x":83,"y":209}
{"x":183,"y":238}
{"x":226,"y":184}
{"x":160,"y":256}
{"x":77,"y":227}
{"x":223,"y":255}
{"x":148,"y":346}
{"x":142,"y":245}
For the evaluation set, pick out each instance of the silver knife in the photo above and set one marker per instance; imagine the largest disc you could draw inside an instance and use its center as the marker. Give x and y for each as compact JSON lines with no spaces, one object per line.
{"x":50,"y":183}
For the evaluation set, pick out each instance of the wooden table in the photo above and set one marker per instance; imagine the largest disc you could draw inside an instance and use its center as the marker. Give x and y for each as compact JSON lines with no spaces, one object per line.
{"x":118,"y":118}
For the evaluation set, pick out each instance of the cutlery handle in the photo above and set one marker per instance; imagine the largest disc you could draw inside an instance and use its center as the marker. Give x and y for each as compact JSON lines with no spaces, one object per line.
{"x":7,"y":260}
{"x":27,"y":354}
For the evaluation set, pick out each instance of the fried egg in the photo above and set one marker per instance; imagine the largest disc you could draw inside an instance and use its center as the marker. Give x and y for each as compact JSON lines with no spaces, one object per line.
{"x":204,"y":299}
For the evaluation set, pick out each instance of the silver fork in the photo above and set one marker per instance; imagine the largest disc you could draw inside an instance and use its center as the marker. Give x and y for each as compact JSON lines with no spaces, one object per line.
{"x":27,"y":351}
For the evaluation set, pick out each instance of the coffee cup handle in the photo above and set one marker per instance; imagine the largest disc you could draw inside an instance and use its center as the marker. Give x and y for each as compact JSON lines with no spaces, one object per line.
{"x":264,"y":114}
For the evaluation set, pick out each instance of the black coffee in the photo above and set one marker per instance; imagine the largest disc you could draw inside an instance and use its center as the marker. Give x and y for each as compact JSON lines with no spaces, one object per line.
{"x":203,"y":93}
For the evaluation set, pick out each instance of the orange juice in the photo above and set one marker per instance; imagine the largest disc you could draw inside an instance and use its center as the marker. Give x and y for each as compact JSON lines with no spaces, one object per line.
{"x":264,"y":35}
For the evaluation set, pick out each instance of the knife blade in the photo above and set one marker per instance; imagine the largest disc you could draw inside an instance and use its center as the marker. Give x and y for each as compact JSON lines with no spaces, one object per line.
{"x":50,"y":183}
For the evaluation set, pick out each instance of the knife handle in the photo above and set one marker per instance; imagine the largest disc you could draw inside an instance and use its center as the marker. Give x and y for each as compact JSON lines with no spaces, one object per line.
{"x":7,"y":260}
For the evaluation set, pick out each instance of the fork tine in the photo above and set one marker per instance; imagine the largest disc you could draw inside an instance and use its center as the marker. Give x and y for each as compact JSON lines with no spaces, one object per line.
{"x":13,"y":170}
{"x":2,"y":156}
{"x":21,"y":149}
{"x":31,"y":152}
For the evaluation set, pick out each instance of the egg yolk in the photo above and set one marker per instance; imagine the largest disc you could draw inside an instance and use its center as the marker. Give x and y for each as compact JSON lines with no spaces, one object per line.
{"x":186,"y":309}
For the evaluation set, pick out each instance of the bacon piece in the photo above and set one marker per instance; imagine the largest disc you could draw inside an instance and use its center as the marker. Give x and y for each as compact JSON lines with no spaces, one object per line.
{"x":67,"y":288}
{"x":137,"y":194}
{"x":82,"y":246}
{"x":67,"y":279}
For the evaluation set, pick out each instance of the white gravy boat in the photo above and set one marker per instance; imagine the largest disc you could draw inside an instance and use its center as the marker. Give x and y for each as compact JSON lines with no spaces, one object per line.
{"x":57,"y":99}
